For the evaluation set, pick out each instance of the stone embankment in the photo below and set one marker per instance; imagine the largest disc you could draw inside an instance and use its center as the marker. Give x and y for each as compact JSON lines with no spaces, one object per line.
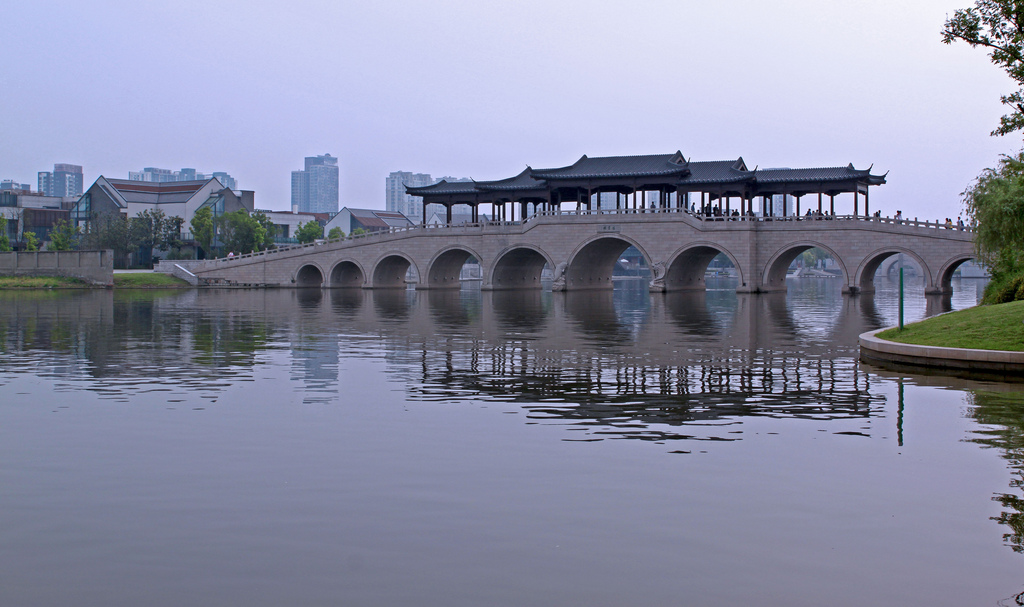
{"x":990,"y":362}
{"x":94,"y":267}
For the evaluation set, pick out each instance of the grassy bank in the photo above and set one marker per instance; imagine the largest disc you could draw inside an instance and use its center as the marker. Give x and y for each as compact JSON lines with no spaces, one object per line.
{"x":41,"y":282}
{"x":995,"y":327}
{"x":148,"y":280}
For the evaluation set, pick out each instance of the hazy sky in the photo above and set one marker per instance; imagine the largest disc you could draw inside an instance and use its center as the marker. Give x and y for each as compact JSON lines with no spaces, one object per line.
{"x":481,"y":89}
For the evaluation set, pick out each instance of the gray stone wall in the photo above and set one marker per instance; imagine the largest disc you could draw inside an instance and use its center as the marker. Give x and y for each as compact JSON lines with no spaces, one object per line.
{"x":94,"y":267}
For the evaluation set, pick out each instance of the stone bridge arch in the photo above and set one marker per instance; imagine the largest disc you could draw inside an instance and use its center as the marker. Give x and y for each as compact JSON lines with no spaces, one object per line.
{"x":591,"y":264}
{"x":864,"y":281}
{"x":445,"y":268}
{"x":347,"y":273}
{"x":518,"y":267}
{"x":944,"y":279}
{"x":687,"y":267}
{"x":390,"y":269}
{"x":774,"y":276}
{"x":309,"y":274}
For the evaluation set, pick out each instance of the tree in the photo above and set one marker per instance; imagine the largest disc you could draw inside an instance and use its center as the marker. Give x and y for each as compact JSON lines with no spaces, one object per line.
{"x":335,"y":233}
{"x":64,"y":235}
{"x":31,"y":241}
{"x":245,"y":233}
{"x":170,"y":237}
{"x":202,"y":229}
{"x":358,"y":231}
{"x":5,"y":241}
{"x":148,"y":227}
{"x":997,"y":25}
{"x":269,"y":231}
{"x":309,"y":231}
{"x":112,"y":231}
{"x":995,"y":206}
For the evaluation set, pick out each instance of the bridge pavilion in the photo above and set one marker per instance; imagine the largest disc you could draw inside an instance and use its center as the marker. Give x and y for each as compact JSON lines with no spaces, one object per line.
{"x":680,"y":183}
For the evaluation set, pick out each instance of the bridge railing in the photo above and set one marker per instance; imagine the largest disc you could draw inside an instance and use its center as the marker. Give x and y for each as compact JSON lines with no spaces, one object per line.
{"x":737,"y":217}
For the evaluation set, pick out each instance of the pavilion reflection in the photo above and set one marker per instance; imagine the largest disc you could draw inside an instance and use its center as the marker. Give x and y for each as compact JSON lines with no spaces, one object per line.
{"x":684,"y":357}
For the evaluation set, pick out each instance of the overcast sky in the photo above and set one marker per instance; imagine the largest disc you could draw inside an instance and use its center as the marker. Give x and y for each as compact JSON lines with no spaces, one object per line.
{"x":481,"y":89}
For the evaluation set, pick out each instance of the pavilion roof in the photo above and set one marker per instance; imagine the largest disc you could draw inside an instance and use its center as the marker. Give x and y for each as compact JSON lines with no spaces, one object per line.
{"x":618,"y":166}
{"x":821,"y":175}
{"x":523,"y":181}
{"x":733,"y":174}
{"x":717,"y":171}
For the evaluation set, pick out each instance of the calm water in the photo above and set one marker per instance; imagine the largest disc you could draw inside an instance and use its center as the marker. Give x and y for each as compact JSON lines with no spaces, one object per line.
{"x":348,"y":448}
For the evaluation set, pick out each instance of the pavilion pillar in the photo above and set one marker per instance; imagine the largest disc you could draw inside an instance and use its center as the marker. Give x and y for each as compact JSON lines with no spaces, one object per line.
{"x":819,"y":203}
{"x":832,"y":204}
{"x":856,"y":202}
{"x":867,"y":209}
{"x":798,"y":206}
{"x":448,"y":208}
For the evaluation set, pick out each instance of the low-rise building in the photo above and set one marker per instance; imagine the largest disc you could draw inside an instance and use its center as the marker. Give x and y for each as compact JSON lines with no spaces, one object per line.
{"x":287,"y":222}
{"x":370,"y":220}
{"x":130,"y":198}
{"x":32,"y":212}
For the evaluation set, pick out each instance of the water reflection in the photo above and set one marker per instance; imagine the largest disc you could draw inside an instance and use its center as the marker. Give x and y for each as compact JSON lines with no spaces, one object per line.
{"x":671,"y":359}
{"x":1001,"y":415}
{"x":619,"y":371}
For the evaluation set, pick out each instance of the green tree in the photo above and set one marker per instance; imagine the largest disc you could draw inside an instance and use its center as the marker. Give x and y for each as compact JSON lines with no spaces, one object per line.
{"x":269,"y":231}
{"x":114,"y":232}
{"x":170,"y":237}
{"x":202,"y":229}
{"x":358,"y":231}
{"x":995,"y":206}
{"x":64,"y":235}
{"x":996,"y":25}
{"x":335,"y":233}
{"x":148,"y":228}
{"x":245,"y":233}
{"x":309,"y":231}
{"x":31,"y":241}
{"x":5,"y":241}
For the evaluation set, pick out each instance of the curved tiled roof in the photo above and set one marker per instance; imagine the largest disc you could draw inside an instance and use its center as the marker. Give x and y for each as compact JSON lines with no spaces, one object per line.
{"x":618,"y":166}
{"x":680,"y":171}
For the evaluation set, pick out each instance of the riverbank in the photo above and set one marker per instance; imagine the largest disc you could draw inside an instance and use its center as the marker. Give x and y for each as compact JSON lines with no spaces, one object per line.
{"x":126,"y":280}
{"x":42,"y":282}
{"x":995,"y":327}
{"x":148,"y":280}
{"x":984,"y":341}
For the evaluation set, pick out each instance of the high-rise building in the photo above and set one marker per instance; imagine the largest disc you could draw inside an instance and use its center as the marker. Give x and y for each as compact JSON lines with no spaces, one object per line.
{"x":397,"y":201}
{"x":315,"y":189}
{"x":65,"y":180}
{"x":157,"y":175}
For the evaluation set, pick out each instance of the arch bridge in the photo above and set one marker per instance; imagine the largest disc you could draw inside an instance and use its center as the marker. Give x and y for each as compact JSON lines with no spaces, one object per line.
{"x":581,"y":247}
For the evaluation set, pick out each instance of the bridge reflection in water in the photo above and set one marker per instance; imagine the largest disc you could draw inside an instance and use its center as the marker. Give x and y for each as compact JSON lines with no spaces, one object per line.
{"x":623,"y":364}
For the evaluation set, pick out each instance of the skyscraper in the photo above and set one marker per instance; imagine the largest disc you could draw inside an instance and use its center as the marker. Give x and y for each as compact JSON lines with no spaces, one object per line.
{"x":315,"y":189}
{"x":65,"y":180}
{"x":397,"y":201}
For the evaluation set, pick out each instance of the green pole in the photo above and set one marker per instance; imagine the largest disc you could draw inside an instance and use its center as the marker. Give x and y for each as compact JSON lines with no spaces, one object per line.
{"x":901,"y":298}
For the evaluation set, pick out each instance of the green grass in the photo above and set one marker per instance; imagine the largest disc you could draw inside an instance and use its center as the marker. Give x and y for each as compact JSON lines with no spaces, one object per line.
{"x":147,"y":280}
{"x":41,"y":282}
{"x":995,"y":327}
